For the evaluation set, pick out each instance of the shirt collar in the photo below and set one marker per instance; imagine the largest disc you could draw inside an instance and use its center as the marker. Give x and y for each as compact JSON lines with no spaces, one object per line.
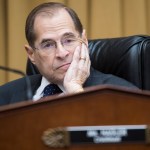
{"x":44,"y":83}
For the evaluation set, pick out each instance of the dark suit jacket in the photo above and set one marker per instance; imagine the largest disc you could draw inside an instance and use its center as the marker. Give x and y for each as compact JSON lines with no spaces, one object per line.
{"x":16,"y":91}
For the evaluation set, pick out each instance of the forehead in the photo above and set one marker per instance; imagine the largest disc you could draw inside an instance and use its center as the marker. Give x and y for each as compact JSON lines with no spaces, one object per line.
{"x":53,"y":24}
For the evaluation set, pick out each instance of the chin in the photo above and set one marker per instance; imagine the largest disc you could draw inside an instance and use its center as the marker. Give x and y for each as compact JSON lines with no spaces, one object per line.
{"x":58,"y":79}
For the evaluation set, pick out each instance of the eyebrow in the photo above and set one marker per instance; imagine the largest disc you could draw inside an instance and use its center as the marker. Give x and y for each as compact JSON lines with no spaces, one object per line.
{"x":67,"y":34}
{"x":46,"y":40}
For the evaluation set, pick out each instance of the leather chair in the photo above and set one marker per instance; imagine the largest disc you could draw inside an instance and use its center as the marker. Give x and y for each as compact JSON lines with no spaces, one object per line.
{"x":126,"y":57}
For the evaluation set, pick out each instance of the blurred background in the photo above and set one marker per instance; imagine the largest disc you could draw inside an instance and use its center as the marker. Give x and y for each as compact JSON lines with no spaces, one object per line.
{"x":101,"y":19}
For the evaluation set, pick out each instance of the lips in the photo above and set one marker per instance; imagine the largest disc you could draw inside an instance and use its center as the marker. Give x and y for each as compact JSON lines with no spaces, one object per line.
{"x":64,"y":66}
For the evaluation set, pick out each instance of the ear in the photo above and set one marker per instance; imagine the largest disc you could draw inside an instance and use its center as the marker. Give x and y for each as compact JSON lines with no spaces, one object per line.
{"x":30,"y":53}
{"x":84,"y":37}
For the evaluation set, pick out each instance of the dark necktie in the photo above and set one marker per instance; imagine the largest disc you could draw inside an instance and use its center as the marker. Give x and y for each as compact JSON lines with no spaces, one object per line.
{"x":51,"y":89}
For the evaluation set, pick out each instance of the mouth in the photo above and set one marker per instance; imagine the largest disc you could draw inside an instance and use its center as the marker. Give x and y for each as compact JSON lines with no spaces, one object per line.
{"x":64,"y":66}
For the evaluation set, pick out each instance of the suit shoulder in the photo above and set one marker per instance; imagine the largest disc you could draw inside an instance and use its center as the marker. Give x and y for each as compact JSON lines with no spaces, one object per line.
{"x":19,"y":82}
{"x":99,"y":78}
{"x":14,"y":90}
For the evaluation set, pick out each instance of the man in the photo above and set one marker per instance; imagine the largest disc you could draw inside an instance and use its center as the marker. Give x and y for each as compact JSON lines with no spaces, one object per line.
{"x":58,"y":47}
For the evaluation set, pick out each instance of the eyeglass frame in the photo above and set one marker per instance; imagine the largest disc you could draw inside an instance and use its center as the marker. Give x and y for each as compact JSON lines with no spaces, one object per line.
{"x":76,"y":38}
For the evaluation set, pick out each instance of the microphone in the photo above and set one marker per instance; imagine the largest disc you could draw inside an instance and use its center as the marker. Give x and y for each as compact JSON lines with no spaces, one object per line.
{"x":29,"y":91}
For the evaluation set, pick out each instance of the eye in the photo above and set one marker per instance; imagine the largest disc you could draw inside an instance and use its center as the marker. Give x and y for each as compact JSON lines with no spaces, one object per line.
{"x":68,"y":41}
{"x":48,"y":45}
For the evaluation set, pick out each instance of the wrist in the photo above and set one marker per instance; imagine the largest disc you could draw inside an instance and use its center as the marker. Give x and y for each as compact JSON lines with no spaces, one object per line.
{"x":74,"y":89}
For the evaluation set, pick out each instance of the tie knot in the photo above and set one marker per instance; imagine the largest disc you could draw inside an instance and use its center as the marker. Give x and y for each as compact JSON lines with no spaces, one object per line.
{"x":51,"y":89}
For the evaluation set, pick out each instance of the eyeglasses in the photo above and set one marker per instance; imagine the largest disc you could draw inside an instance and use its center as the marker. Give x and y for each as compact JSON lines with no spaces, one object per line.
{"x":68,"y":43}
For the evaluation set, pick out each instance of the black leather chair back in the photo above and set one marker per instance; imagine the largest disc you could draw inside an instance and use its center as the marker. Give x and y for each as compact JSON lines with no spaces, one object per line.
{"x":126,"y":57}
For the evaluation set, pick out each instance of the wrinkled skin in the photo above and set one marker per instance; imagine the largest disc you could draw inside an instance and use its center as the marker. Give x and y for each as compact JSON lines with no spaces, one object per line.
{"x":62,"y":67}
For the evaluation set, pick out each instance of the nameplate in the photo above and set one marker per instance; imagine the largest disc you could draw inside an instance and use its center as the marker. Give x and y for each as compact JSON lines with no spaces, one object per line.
{"x":61,"y":137}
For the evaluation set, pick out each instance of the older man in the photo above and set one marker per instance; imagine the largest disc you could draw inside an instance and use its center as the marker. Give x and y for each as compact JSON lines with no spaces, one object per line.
{"x":58,"y":47}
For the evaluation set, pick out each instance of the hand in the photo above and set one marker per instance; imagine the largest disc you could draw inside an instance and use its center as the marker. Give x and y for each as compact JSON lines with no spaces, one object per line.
{"x":78,"y":71}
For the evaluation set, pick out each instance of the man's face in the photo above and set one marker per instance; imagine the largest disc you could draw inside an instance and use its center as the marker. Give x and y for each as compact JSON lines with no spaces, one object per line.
{"x":53,"y":29}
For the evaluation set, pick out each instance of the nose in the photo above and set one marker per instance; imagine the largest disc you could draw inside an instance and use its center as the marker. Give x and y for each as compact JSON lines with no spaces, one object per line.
{"x":61,"y":52}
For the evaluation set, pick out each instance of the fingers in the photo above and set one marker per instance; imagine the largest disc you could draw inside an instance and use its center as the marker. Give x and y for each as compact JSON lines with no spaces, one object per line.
{"x":84,"y":37}
{"x":79,"y":69}
{"x":81,"y":58}
{"x":84,"y":62}
{"x":73,"y":69}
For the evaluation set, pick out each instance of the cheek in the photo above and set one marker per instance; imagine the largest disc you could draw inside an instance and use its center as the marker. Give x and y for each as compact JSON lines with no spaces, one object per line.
{"x":44,"y":63}
{"x":72,"y":53}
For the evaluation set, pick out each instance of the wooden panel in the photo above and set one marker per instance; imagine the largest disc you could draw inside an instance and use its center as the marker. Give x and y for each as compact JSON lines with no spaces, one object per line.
{"x":22,"y":125}
{"x":134,"y":14}
{"x":2,"y":41}
{"x":16,"y":36}
{"x":81,"y":8}
{"x":33,"y":3}
{"x":105,"y":18}
{"x":148,"y":16}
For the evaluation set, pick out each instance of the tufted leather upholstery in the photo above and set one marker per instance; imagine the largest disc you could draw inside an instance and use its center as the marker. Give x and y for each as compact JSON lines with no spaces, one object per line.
{"x":126,"y":57}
